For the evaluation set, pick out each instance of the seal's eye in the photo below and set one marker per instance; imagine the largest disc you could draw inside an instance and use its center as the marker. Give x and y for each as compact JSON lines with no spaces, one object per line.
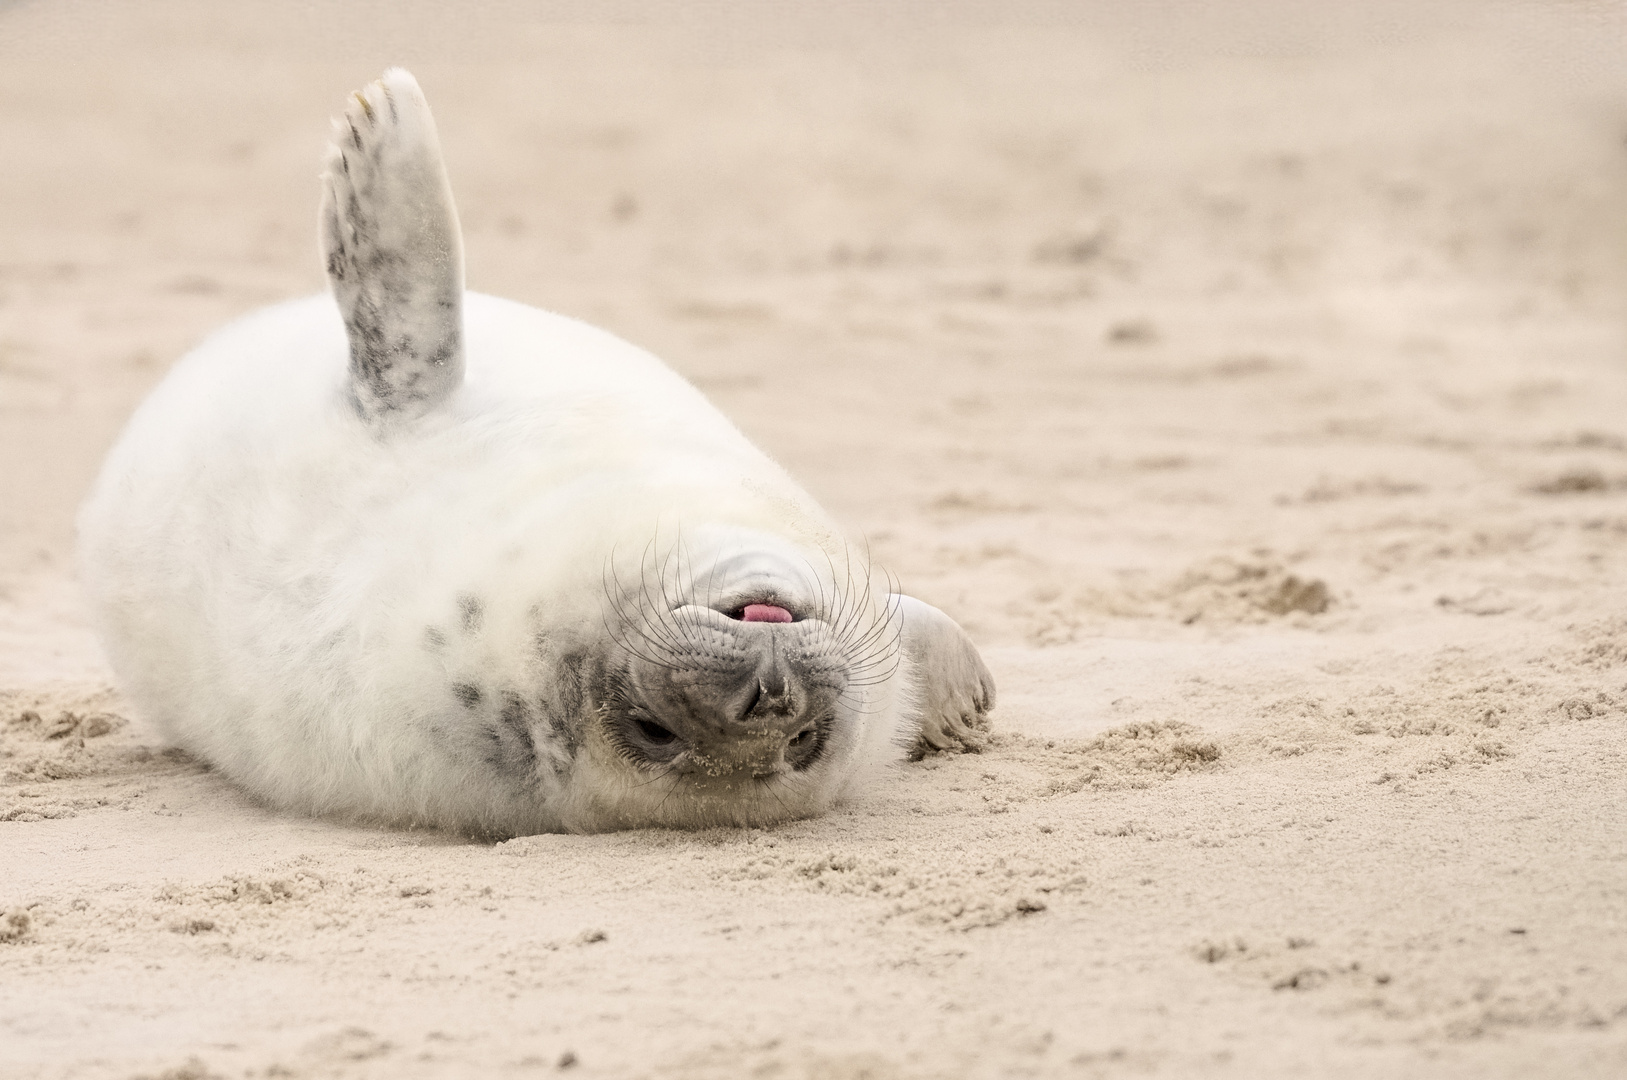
{"x":654,"y":732}
{"x":805,"y":747}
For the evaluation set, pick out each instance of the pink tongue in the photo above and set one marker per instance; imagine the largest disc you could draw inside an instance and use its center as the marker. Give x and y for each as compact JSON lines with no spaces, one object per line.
{"x":764,"y":613}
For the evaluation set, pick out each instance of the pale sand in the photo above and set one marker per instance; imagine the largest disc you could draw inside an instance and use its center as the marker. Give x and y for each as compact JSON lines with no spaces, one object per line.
{"x":1100,"y":330}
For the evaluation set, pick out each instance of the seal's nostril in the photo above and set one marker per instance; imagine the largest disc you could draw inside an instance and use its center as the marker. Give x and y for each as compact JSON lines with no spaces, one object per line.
{"x":751,"y":702}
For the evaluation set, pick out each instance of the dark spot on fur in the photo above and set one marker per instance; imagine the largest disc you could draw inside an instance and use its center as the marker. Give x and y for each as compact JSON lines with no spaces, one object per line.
{"x":468,"y":693}
{"x":571,"y":685}
{"x":516,"y":715}
{"x":509,"y":746}
{"x":566,"y":740}
{"x":561,"y":710}
{"x":434,"y":639}
{"x":472,"y":611}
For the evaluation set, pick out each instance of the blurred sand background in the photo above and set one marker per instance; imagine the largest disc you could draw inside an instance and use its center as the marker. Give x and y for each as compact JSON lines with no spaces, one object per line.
{"x":1250,"y":380}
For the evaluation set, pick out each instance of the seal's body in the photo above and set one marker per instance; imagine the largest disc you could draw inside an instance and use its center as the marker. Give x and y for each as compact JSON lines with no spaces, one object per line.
{"x":433,"y":557}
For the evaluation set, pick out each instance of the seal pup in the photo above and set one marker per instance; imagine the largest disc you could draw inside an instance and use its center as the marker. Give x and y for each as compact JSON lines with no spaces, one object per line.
{"x":415,"y":555}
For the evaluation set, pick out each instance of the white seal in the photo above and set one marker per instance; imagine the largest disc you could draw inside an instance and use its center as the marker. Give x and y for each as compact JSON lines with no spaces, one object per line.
{"x":425,"y":556}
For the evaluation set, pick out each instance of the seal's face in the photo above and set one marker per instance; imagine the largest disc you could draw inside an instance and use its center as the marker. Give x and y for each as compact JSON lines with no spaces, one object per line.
{"x":752,"y":691}
{"x":738,"y":693}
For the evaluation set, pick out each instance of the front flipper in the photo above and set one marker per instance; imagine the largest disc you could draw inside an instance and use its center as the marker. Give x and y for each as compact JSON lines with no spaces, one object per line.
{"x":956,"y":690}
{"x":394,"y":251}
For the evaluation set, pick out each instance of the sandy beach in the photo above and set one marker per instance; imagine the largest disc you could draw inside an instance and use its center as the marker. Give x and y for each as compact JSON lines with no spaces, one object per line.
{"x":1252,"y":386}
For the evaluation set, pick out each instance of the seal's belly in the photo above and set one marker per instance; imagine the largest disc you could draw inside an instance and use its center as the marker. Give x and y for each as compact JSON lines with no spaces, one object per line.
{"x":265,"y":568}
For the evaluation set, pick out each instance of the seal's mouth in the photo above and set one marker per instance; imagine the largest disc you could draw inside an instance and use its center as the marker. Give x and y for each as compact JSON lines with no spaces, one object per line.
{"x":759,"y":606}
{"x":771,"y":613}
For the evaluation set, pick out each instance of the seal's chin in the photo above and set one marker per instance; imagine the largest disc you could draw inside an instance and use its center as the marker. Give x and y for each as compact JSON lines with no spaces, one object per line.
{"x":751,"y":578}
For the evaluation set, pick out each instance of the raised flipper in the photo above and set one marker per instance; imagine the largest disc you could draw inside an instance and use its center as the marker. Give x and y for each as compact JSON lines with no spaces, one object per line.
{"x":956,"y":690}
{"x":394,"y":251}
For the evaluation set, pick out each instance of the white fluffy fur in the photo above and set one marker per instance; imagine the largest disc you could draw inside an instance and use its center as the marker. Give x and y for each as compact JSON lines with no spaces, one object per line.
{"x":264,"y":567}
{"x":304,"y":568}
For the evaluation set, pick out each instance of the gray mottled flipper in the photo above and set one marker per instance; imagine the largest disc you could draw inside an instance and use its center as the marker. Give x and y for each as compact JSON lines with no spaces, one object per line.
{"x":394,"y":251}
{"x":957,"y":691}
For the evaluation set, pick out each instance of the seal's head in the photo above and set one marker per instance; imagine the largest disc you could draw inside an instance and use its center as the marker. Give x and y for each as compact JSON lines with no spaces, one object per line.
{"x":743,"y":683}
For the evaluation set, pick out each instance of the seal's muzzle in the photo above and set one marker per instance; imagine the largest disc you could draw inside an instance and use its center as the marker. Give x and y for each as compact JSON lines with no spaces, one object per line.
{"x":727,"y":696}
